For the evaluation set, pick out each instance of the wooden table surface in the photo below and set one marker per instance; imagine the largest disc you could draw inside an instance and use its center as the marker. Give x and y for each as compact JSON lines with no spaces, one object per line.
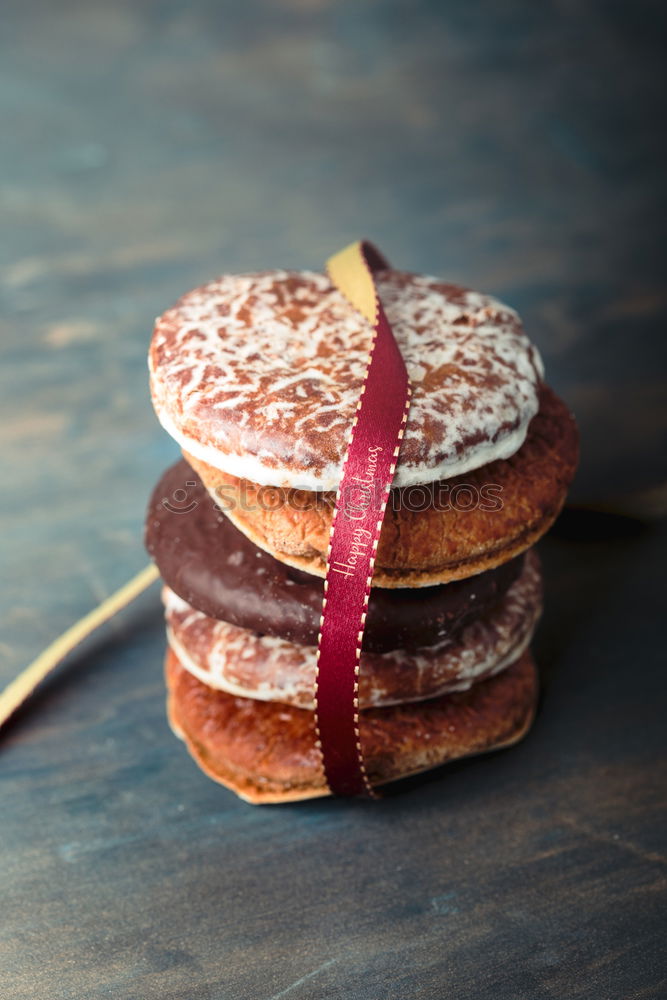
{"x":147,"y":146}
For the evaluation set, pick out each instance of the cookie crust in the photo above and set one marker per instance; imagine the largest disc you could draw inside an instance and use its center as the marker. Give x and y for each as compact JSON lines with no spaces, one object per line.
{"x":425,"y":539}
{"x":266,"y":752}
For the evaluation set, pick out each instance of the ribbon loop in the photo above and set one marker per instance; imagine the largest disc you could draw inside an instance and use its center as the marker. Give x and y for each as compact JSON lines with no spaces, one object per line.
{"x":368,"y":472}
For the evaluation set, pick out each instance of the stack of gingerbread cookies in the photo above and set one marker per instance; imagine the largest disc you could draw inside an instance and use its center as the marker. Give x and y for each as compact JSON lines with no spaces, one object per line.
{"x":257,"y":378}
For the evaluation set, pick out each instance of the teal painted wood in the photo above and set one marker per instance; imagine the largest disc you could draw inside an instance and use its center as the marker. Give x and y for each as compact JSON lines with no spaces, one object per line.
{"x":147,"y":146}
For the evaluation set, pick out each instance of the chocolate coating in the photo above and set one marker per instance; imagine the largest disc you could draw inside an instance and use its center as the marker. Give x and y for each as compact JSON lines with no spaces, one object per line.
{"x":209,"y":563}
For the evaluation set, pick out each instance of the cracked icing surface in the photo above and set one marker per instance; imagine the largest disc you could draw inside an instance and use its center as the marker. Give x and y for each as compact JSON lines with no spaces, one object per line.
{"x":250,"y":665}
{"x":259,"y":375}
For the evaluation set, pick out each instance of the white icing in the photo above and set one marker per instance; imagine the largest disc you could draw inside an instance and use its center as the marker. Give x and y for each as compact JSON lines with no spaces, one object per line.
{"x":259,"y":375}
{"x":248,"y":467}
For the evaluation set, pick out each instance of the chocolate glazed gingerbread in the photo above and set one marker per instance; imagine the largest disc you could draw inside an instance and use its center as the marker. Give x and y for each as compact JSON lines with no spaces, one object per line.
{"x":210,"y":564}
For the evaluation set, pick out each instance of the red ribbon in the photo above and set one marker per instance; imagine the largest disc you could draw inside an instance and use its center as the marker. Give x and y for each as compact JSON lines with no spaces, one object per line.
{"x":368,"y":471}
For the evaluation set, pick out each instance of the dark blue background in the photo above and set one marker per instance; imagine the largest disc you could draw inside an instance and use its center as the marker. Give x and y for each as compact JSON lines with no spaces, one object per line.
{"x":146,"y":146}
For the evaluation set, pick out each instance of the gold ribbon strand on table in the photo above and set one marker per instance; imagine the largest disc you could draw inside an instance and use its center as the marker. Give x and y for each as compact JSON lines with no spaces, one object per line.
{"x":20,"y":689}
